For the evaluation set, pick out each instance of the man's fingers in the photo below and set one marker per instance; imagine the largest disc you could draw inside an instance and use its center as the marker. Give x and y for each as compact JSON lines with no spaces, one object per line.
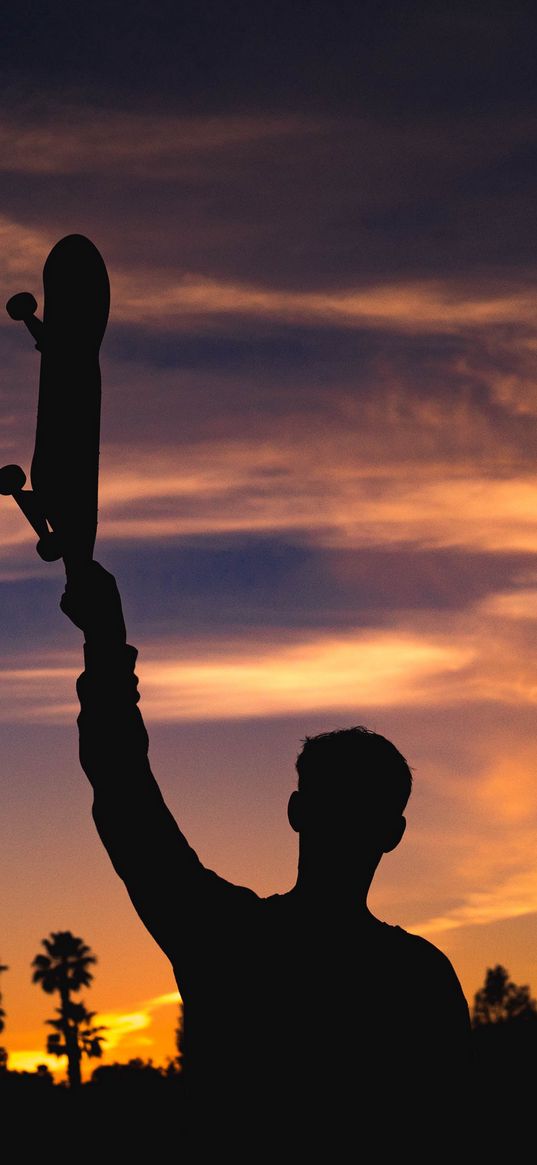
{"x":92,"y":601}
{"x":69,"y":609}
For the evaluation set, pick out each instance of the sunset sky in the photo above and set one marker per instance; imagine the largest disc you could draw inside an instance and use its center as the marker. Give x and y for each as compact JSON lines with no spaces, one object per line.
{"x":318,"y":457}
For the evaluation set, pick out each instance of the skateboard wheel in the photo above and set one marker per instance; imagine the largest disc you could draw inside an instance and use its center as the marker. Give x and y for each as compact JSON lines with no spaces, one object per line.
{"x":12,"y":479}
{"x":21,"y":306}
{"x":48,"y":548}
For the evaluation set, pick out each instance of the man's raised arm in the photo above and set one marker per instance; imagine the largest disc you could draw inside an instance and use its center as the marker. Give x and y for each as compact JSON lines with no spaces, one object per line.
{"x":163,"y":875}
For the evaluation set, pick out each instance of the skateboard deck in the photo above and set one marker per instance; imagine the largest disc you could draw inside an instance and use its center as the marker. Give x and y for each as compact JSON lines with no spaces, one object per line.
{"x":62,"y":505}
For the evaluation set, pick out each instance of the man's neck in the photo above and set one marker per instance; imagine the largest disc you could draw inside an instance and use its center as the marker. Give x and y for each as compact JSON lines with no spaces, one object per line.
{"x":332,"y":895}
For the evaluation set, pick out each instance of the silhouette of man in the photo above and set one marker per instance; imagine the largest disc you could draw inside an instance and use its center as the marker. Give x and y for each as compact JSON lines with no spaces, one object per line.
{"x":301,"y":1006}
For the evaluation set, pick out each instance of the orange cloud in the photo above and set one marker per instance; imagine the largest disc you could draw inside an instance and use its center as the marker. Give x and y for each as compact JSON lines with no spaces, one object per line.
{"x":71,"y":142}
{"x":237,"y":680}
{"x":432,"y":658}
{"x":121,"y":1023}
{"x":125,"y":1027}
{"x":23,"y":251}
{"x":29,"y":1060}
{"x":483,"y":845}
{"x":252,"y":486}
{"x":352,"y":672}
{"x":121,"y":1026}
{"x":228,"y":487}
{"x":39,"y":692}
{"x":520,"y":603}
{"x":511,"y":898}
{"x":156,"y":297}
{"x":508,"y":791}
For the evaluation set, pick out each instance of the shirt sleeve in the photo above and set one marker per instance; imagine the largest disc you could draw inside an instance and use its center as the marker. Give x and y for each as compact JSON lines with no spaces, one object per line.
{"x":447,"y":1066}
{"x":171,"y":890}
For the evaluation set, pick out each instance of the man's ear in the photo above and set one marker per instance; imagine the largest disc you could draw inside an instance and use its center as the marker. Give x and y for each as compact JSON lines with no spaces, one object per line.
{"x":393,"y":835}
{"x":293,"y":811}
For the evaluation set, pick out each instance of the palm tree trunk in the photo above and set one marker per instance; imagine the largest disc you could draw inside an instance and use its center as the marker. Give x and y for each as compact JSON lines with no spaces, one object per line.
{"x":75,"y":1078}
{"x":70,"y":1035}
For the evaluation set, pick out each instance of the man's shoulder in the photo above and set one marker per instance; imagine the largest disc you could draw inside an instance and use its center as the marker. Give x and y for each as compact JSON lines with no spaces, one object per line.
{"x":421,"y":949}
{"x":434,"y":968}
{"x":417,"y":943}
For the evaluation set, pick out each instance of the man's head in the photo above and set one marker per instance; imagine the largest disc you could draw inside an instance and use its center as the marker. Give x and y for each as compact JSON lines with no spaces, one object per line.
{"x":353,"y":786}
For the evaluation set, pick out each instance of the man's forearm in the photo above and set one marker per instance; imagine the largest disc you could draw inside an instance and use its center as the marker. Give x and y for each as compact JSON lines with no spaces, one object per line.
{"x":112,"y":735}
{"x":113,"y":738}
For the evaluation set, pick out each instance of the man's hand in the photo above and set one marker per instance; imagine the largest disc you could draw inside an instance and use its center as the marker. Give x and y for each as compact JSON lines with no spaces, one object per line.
{"x":91,"y":601}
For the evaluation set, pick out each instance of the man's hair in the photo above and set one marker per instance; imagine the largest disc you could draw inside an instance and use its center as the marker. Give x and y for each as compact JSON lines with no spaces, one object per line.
{"x":379,"y":773}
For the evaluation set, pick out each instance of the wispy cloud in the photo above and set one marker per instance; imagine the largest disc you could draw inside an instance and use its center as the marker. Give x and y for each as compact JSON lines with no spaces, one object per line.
{"x":154,"y":146}
{"x":423,"y":658}
{"x":323,"y":489}
{"x":352,"y":672}
{"x":518,"y":603}
{"x":157,"y":297}
{"x":511,"y":898}
{"x":326,"y":490}
{"x":23,"y":251}
{"x":487,"y":862}
{"x":44,"y":693}
{"x":421,"y":306}
{"x":242,"y":680}
{"x":126,"y":1026}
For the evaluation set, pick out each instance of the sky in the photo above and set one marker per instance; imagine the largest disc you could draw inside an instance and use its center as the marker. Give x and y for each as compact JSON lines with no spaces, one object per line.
{"x":318,"y":459}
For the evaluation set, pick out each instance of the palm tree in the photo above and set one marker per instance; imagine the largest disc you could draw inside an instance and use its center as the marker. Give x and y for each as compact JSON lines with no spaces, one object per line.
{"x":89,"y":1038}
{"x":66,"y":968}
{"x":3,"y":1052}
{"x":179,"y":1036}
{"x":3,"y":967}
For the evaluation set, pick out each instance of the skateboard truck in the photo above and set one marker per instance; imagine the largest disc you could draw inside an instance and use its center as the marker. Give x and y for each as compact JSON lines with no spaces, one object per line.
{"x":12,"y":481}
{"x":22,"y":307}
{"x":12,"y":477}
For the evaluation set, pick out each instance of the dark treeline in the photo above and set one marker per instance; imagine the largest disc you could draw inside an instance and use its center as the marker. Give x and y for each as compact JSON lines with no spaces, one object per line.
{"x":142,"y":1099}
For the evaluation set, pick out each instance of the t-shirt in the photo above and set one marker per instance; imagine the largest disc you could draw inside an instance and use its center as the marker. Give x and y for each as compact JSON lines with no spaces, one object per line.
{"x":289,"y":1007}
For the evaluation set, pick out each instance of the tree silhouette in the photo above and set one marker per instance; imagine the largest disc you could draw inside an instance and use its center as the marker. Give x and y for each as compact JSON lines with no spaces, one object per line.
{"x":501,"y":1001}
{"x":89,"y":1038}
{"x":179,"y":1037}
{"x":65,"y":969}
{"x":3,"y":1052}
{"x":504,"y":1022}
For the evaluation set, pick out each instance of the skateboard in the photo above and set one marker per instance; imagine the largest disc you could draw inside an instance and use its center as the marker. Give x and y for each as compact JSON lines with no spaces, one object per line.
{"x":62,"y":504}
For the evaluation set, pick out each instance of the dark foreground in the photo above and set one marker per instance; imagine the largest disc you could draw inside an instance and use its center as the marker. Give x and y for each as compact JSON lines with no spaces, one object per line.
{"x":147,"y":1114}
